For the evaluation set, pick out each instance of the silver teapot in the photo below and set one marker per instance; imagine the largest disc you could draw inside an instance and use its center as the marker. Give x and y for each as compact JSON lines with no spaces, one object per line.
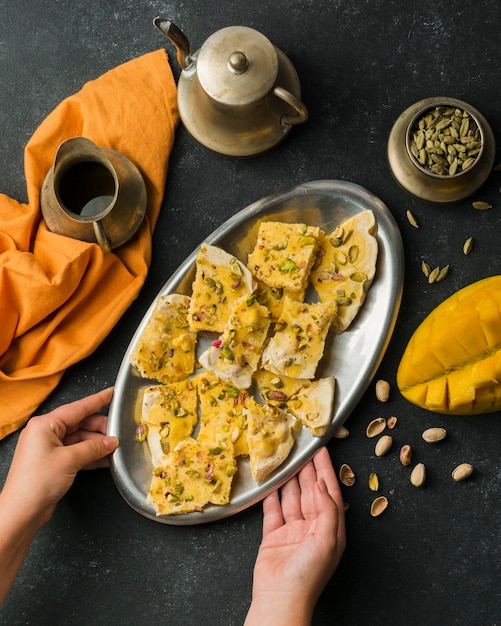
{"x":238,"y":95}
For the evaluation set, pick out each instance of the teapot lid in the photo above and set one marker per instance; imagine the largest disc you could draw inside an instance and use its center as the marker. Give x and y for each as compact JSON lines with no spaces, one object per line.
{"x":237,"y":65}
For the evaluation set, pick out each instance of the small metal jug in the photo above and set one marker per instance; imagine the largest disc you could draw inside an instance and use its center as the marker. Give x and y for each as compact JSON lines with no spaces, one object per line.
{"x":93,"y":194}
{"x":238,"y":95}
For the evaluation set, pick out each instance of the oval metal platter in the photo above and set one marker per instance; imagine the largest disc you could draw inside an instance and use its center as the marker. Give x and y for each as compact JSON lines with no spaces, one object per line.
{"x":352,"y":357}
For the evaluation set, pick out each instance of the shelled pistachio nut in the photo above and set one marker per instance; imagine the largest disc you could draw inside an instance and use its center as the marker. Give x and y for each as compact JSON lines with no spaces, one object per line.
{"x":383,"y":445}
{"x":405,"y":455}
{"x":373,"y":481}
{"x":434,"y":435}
{"x":418,"y":475}
{"x":462,"y":471}
{"x":382,"y":390}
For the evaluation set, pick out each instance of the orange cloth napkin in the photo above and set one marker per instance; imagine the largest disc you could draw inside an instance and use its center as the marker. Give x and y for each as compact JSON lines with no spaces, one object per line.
{"x":60,"y":297}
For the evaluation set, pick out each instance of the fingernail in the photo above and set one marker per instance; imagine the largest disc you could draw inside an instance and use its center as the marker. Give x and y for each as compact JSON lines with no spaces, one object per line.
{"x":111,"y":443}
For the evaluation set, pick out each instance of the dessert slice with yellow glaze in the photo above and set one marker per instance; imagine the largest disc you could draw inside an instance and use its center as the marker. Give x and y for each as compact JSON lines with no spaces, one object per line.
{"x":166,"y":349}
{"x":169,"y":414}
{"x":273,"y":298}
{"x":313,"y":405}
{"x":299,"y":340}
{"x":222,"y":411}
{"x":220,"y":280}
{"x":270,"y":436}
{"x":284,"y":254}
{"x":235,"y":355}
{"x":197,"y":473}
{"x":346,"y":265}
{"x":277,"y":389}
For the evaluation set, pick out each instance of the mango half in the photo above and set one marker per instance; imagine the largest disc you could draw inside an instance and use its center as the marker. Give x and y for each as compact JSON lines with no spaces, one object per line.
{"x":452,"y":363}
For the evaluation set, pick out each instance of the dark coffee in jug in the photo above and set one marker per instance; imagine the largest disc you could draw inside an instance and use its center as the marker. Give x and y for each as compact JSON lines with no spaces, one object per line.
{"x":86,"y":188}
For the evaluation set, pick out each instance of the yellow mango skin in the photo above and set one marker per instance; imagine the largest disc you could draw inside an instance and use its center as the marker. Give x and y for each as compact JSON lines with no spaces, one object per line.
{"x":452,"y":363}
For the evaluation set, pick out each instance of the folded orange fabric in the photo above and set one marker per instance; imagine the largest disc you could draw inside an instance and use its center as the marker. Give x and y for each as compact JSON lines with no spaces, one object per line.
{"x":60,"y":297}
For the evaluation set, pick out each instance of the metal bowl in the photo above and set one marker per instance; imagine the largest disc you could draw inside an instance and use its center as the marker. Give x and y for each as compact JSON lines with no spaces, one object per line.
{"x":416,"y":177}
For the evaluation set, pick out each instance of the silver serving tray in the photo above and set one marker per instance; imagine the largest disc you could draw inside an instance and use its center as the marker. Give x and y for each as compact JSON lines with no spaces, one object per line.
{"x":352,"y":357}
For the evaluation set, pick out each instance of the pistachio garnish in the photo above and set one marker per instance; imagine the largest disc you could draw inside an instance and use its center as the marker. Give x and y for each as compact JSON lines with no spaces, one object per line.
{"x":378,"y":506}
{"x":376,"y":427}
{"x":141,"y":431}
{"x":307,"y":240}
{"x":462,"y":471}
{"x":382,"y":390}
{"x":358,"y":277}
{"x":433,"y":435}
{"x":373,"y":481}
{"x":383,"y":445}
{"x":346,"y":475}
{"x":277,"y":395}
{"x":418,"y":475}
{"x":406,"y":455}
{"x":288,"y":266}
{"x":353,"y":253}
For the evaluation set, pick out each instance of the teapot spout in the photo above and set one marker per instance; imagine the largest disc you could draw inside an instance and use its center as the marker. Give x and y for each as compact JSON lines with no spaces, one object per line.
{"x":178,"y":38}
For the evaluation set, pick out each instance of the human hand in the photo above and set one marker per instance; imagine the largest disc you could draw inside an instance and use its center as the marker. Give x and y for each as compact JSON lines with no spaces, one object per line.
{"x":303,"y":541}
{"x":52,"y":448}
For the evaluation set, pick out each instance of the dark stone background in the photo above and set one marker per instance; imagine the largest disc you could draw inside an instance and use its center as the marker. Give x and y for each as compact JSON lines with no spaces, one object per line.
{"x":434,"y":556}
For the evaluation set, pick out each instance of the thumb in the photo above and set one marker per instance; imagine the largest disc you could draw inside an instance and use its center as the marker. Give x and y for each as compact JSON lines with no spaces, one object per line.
{"x":88,"y":452}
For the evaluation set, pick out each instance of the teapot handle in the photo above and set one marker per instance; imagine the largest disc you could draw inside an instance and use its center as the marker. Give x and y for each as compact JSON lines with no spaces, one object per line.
{"x":101,"y":237}
{"x":295,"y":103}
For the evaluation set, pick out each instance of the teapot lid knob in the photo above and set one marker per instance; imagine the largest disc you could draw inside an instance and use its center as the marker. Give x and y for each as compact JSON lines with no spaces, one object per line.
{"x":237,"y":65}
{"x":238,"y":62}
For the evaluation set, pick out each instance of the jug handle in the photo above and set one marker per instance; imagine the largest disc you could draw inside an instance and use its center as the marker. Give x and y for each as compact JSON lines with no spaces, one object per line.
{"x":295,"y":103}
{"x":101,"y":236}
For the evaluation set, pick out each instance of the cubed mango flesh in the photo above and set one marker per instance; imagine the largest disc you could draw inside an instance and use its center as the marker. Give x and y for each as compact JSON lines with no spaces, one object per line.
{"x":452,"y":363}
